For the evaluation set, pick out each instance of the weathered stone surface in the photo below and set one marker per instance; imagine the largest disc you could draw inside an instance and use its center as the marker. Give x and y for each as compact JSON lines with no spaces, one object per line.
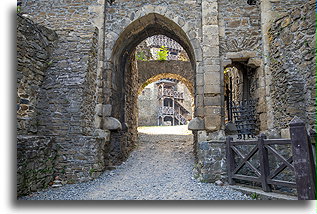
{"x":254,"y":62}
{"x":196,"y":124}
{"x":34,"y":48}
{"x":111,"y":123}
{"x":211,"y":165}
{"x":103,"y":134}
{"x":107,"y":110}
{"x":291,"y":93}
{"x":35,"y":163}
{"x":84,"y":73}
{"x":148,"y":70}
{"x":212,"y":122}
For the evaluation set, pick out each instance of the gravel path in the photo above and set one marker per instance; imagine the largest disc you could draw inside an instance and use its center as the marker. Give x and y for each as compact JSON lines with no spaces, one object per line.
{"x":160,"y":168}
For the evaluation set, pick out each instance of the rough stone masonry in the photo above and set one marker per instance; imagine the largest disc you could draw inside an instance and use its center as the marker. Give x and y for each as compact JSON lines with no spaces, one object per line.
{"x":80,"y":86}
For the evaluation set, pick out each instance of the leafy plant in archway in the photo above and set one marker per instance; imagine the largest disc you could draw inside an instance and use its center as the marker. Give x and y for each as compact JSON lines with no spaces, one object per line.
{"x":162,"y":54}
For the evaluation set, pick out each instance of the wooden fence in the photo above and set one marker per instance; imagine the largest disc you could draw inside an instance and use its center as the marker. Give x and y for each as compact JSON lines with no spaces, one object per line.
{"x":301,"y":162}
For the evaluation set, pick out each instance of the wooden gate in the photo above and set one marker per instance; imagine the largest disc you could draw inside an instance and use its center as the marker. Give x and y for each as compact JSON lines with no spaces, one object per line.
{"x":301,"y":162}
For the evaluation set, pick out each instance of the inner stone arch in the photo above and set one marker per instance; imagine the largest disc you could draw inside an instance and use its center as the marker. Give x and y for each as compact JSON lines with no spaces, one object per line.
{"x":189,"y":84}
{"x":125,"y":76}
{"x":165,"y":97}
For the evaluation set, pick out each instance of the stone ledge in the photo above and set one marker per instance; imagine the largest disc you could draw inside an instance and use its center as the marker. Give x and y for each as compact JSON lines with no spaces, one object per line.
{"x":112,"y":123}
{"x":241,"y":55}
{"x":263,"y":195}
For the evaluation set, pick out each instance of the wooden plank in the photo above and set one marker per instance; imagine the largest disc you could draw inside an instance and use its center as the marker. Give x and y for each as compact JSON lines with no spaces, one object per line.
{"x":280,"y":157}
{"x":246,"y":178}
{"x":264,"y":164}
{"x":277,"y":142}
{"x":243,"y":162}
{"x":281,"y":183}
{"x":280,"y":168}
{"x":230,"y":160}
{"x":247,"y":162}
{"x":304,"y":163}
{"x":241,"y":143}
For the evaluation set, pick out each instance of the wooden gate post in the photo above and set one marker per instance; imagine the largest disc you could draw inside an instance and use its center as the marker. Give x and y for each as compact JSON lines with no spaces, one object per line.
{"x":303,"y":160}
{"x":230,"y":160}
{"x":264,"y":163}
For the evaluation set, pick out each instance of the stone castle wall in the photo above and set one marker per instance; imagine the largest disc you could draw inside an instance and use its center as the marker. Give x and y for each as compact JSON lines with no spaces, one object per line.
{"x":89,"y":88}
{"x":148,"y":106}
{"x":35,"y":164}
{"x":36,"y":154}
{"x":293,"y":65}
{"x":34,"y":49}
{"x":240,"y":26}
{"x":71,"y":87}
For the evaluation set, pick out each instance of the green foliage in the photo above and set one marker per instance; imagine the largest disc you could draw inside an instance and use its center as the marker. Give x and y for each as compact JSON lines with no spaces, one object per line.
{"x":18,"y":9}
{"x":140,"y":56}
{"x":49,"y":63}
{"x":162,"y":54}
{"x":91,"y":171}
{"x":255,"y":196}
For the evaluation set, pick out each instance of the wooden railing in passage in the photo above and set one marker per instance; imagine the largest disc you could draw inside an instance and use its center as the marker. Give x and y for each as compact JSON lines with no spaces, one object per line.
{"x":302,"y":162}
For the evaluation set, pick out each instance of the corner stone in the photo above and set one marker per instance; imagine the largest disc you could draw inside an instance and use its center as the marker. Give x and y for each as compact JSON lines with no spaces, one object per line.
{"x":196,"y":124}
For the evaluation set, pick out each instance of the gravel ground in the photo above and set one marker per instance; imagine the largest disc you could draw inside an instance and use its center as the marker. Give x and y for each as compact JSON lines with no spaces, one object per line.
{"x":160,"y":168}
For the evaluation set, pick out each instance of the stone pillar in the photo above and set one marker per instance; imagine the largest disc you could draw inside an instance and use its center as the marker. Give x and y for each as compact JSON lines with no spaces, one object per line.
{"x":211,"y":66}
{"x":266,"y":15}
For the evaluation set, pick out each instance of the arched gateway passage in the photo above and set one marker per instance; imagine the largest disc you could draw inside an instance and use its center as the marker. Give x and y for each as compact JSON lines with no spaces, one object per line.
{"x":125,"y":76}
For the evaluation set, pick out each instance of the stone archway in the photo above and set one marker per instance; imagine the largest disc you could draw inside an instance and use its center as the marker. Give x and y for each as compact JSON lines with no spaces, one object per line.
{"x":125,"y":76}
{"x":152,"y":99}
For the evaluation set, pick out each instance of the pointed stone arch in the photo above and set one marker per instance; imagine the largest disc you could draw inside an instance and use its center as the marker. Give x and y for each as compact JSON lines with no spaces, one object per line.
{"x":124,"y":74}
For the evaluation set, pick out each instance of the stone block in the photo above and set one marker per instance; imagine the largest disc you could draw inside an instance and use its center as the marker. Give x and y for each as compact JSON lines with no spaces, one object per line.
{"x":212,"y":78}
{"x":210,"y":30}
{"x":212,"y":101}
{"x":199,"y":79}
{"x":209,"y":88}
{"x":107,"y":110}
{"x":199,"y":68}
{"x":241,"y":55}
{"x":211,"y":41}
{"x":111,"y":123}
{"x":199,"y":54}
{"x":212,"y":68}
{"x":226,"y":62}
{"x":196,"y":124}
{"x":210,"y":51}
{"x":254,"y":62}
{"x":264,"y":121}
{"x":201,"y":136}
{"x":199,"y":111}
{"x":99,"y":109}
{"x":213,"y":122}
{"x":199,"y":101}
{"x":212,"y":110}
{"x":204,"y":145}
{"x":97,"y":122}
{"x":211,"y":61}
{"x":103,"y":134}
{"x":199,"y":90}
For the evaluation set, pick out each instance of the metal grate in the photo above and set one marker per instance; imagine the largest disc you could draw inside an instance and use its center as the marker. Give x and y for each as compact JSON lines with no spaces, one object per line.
{"x":244,"y":118}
